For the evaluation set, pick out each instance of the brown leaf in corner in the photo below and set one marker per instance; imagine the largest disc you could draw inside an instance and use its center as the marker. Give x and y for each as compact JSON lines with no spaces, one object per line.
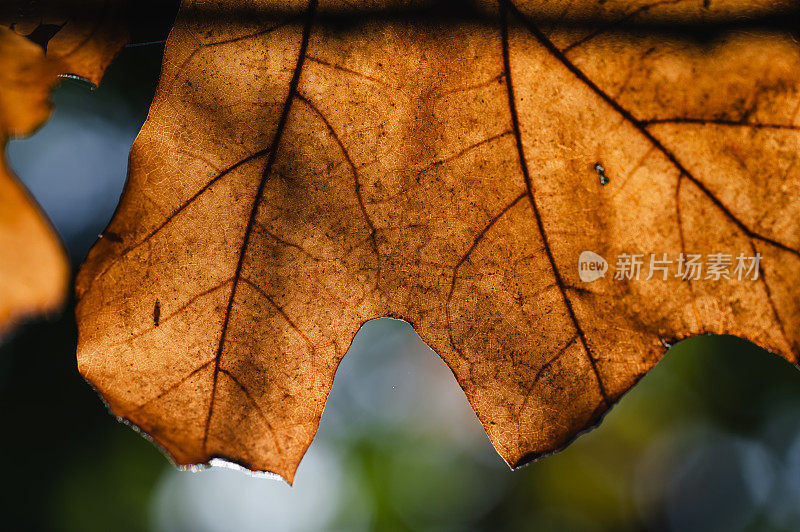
{"x":84,"y":35}
{"x":33,"y":268}
{"x":81,"y":38}
{"x":296,"y":179}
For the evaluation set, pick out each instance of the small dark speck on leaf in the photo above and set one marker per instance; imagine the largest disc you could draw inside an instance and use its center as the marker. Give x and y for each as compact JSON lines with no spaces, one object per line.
{"x":157,"y":313}
{"x":601,"y":171}
{"x":114,"y":237}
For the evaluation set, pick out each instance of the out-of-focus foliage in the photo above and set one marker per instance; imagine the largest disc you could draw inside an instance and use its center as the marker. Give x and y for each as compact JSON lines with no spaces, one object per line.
{"x":33,"y":268}
{"x":709,"y":440}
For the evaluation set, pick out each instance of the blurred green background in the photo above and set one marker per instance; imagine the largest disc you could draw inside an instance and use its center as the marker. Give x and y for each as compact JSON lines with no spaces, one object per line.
{"x":709,"y":440}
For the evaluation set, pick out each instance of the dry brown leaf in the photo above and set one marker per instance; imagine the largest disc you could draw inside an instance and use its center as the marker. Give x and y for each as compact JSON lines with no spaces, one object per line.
{"x":84,"y":35}
{"x":33,"y":267}
{"x":295,"y":180}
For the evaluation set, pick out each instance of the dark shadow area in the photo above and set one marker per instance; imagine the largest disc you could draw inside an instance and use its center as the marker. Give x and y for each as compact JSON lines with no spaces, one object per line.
{"x":151,"y":20}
